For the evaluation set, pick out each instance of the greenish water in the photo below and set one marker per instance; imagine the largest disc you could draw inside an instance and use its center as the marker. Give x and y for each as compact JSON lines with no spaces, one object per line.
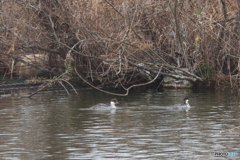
{"x":52,"y":125}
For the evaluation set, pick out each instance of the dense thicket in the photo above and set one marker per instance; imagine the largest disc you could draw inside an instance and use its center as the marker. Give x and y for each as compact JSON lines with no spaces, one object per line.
{"x":126,"y":41}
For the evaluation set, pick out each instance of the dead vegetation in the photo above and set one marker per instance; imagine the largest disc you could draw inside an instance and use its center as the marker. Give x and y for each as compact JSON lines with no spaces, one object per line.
{"x":124,"y":42}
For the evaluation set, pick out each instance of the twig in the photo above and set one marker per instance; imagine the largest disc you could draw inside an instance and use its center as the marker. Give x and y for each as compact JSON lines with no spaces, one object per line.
{"x":70,"y":85}
{"x":238,"y":127}
{"x":59,"y":81}
{"x":41,"y":87}
{"x":234,"y":128}
{"x":114,"y":8}
{"x":127,"y":90}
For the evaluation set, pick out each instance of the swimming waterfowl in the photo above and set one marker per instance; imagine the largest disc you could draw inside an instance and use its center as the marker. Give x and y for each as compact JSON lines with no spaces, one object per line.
{"x":184,"y":105}
{"x":110,"y":105}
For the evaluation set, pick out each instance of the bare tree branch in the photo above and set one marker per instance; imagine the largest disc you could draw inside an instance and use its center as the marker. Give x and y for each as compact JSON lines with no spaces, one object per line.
{"x":127,"y":90}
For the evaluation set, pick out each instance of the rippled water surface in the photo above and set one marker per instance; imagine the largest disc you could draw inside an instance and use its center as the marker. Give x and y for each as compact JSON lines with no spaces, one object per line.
{"x":52,"y":125}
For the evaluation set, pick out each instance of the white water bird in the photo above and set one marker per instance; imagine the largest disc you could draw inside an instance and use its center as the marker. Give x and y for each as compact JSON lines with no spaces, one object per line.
{"x":110,"y":105}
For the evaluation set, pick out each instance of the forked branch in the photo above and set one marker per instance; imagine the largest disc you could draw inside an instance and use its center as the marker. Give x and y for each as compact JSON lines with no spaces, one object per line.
{"x":127,"y":89}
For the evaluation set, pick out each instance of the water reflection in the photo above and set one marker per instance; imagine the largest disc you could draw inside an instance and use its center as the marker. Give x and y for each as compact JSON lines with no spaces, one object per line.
{"x":53,"y":125}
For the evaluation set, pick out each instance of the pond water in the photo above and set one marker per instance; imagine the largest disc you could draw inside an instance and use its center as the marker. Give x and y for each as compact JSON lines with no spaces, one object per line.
{"x":53,"y":125}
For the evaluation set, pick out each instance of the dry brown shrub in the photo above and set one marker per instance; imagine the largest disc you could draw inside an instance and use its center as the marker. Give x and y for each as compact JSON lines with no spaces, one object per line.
{"x":117,"y":40}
